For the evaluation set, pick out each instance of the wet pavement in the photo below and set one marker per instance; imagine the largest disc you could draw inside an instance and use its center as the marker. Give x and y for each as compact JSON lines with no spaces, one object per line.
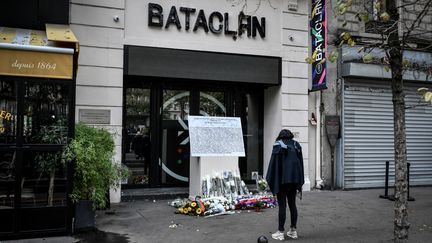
{"x":324,"y":216}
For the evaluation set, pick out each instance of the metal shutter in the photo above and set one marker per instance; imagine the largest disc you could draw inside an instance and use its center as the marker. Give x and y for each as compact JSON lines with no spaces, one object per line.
{"x":368,"y":134}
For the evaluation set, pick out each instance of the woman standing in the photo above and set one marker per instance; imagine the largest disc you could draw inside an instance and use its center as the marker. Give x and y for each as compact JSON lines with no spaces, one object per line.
{"x":285,"y":176}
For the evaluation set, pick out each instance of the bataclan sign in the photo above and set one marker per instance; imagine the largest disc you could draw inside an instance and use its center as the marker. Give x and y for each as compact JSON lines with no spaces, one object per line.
{"x":215,"y":23}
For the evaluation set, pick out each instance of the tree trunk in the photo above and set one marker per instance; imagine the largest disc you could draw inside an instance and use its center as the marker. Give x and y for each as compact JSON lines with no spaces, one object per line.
{"x":401,"y":224}
{"x":51,"y":188}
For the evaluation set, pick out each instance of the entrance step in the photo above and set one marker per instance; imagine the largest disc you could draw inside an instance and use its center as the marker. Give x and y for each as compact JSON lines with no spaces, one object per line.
{"x":154,"y":193}
{"x":161,"y":193}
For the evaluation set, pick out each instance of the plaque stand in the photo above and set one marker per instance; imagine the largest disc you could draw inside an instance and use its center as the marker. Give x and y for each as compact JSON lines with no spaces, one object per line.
{"x":203,"y":166}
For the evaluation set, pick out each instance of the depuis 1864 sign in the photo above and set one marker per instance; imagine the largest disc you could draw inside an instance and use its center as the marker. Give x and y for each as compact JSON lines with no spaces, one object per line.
{"x":318,"y":32}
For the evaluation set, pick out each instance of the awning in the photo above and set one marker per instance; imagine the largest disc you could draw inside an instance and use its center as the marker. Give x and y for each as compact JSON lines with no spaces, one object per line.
{"x":33,"y":53}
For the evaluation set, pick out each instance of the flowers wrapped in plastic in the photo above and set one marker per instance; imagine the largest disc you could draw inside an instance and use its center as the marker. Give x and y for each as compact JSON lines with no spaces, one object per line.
{"x":262,"y":185}
{"x":224,"y":192}
{"x":193,"y":208}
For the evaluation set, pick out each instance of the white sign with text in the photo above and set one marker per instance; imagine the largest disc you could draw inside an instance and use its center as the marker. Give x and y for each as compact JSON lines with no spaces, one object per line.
{"x":216,"y":136}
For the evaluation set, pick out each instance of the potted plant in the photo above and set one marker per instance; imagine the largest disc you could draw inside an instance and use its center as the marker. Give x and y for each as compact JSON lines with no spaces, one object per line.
{"x":92,"y":152}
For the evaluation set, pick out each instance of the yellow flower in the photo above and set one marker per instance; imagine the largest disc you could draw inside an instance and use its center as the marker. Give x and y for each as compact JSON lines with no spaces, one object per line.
{"x":193,"y":204}
{"x":180,"y":210}
{"x":189,"y":209}
{"x":198,"y":211}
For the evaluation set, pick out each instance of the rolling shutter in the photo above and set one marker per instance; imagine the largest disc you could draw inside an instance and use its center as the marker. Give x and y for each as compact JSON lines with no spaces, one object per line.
{"x":368,"y":134}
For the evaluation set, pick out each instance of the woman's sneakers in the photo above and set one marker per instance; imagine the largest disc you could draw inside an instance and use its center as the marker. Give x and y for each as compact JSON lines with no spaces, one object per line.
{"x":292,"y":233}
{"x":278,"y":235}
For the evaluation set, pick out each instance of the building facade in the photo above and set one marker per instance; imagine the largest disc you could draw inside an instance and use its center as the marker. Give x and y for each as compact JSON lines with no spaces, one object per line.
{"x":145,"y":66}
{"x":360,"y":94}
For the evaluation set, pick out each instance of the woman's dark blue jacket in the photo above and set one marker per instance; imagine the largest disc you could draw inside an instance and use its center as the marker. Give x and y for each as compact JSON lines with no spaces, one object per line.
{"x":286,"y":165}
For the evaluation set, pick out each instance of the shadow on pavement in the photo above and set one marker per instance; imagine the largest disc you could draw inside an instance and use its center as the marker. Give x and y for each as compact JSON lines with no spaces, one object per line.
{"x":100,"y":236}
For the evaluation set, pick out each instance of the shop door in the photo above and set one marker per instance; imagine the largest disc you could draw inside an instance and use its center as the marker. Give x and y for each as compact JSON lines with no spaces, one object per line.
{"x":35,"y":123}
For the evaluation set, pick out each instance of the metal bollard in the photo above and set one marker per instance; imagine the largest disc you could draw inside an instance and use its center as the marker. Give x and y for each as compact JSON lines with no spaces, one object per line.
{"x":385,"y":196}
{"x":408,"y":179}
{"x":391,"y":197}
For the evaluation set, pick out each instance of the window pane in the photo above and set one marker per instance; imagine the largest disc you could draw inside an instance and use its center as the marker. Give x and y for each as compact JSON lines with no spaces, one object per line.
{"x":46,"y":113}
{"x":44,"y":180}
{"x":175,"y":137}
{"x":7,"y":179}
{"x":175,"y":104}
{"x":212,"y":104}
{"x":138,"y":144}
{"x":8,"y":112}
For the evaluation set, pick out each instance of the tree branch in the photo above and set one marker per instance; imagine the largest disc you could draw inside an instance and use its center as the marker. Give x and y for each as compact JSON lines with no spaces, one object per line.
{"x":418,"y":20}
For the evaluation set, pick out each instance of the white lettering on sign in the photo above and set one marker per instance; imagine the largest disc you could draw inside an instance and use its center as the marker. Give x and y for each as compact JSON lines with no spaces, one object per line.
{"x":30,"y":65}
{"x":2,"y":129}
{"x":21,"y":65}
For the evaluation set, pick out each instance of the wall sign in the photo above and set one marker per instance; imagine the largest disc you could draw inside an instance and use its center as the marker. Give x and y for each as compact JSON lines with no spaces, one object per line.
{"x":94,"y":116}
{"x":318,"y":24}
{"x":215,"y":22}
{"x":36,"y":64}
{"x":216,"y":136}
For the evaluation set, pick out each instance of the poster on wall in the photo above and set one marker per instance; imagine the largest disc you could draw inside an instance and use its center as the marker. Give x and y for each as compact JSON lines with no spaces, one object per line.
{"x":318,"y":24}
{"x":216,"y":136}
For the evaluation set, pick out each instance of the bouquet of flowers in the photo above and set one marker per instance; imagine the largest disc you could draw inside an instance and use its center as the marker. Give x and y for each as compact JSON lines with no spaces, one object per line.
{"x":255,"y":202}
{"x":262,"y":185}
{"x":192,"y":208}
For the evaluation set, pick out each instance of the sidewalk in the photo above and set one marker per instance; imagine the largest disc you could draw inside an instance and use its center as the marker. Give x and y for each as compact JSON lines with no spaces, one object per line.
{"x":324,"y":216}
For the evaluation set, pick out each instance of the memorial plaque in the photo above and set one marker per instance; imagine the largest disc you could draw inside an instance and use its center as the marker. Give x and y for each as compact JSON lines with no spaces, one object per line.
{"x":216,"y":136}
{"x":95,"y":116}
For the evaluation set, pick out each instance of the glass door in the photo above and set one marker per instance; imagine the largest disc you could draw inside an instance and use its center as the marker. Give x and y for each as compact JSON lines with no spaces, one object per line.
{"x":8,"y":154}
{"x":249,"y":107}
{"x":137,"y":142}
{"x":212,"y":103}
{"x":174,"y":160}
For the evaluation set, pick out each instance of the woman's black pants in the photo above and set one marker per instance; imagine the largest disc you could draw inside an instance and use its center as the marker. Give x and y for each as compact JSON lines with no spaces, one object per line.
{"x":282,"y":196}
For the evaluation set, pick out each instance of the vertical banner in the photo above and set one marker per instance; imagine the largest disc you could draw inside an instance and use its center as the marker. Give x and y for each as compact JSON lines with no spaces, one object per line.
{"x":318,"y":24}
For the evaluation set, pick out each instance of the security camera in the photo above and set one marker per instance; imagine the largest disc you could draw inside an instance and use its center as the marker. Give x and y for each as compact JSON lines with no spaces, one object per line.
{"x":116,"y":18}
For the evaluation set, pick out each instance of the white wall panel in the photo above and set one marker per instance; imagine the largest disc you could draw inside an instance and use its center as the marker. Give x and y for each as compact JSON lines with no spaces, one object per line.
{"x":294,"y":118}
{"x":294,"y":102}
{"x":101,"y":57}
{"x":99,"y":96}
{"x":295,"y":38}
{"x":100,"y":76}
{"x":295,"y":85}
{"x":295,"y":69}
{"x":98,"y":37}
{"x":89,"y":15}
{"x":295,"y":54}
{"x":294,"y":21}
